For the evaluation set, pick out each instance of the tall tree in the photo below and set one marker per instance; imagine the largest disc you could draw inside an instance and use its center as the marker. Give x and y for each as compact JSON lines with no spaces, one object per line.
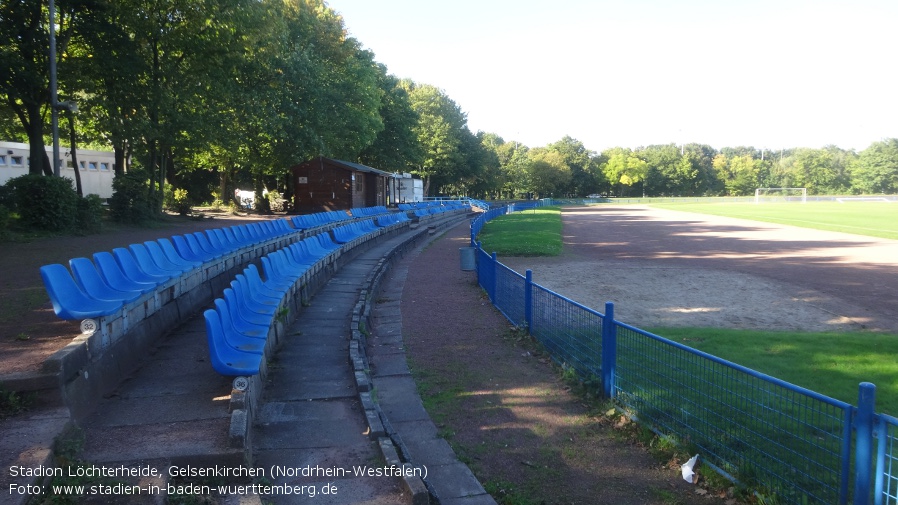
{"x":395,"y":147}
{"x":443,"y":134}
{"x":876,"y":168}
{"x":548,"y":171}
{"x":576,"y":157}
{"x":624,"y":168}
{"x":25,"y":80}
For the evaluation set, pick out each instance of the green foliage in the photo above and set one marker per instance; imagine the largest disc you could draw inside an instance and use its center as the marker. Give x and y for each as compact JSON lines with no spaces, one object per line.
{"x":176,"y":200}
{"x":131,"y":202}
{"x":4,"y":219}
{"x":89,"y":215}
{"x":45,"y":203}
{"x":13,"y":402}
{"x":534,"y":232}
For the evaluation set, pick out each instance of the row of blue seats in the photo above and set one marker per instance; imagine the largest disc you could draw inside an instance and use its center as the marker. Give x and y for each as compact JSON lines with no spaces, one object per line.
{"x":452,"y":204}
{"x":369,"y":211}
{"x":113,"y":280}
{"x":306,"y":221}
{"x":352,"y":231}
{"x":392,"y":219}
{"x":429,"y":211}
{"x":239,"y":325}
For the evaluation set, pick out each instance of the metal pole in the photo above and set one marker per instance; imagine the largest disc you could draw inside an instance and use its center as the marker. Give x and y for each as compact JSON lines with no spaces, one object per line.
{"x":53,"y":96}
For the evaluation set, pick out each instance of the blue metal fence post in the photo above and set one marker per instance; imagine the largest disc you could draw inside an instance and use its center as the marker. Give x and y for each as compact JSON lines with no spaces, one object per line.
{"x":494,"y":282}
{"x":528,"y":299}
{"x":863,"y":428}
{"x":609,"y":350}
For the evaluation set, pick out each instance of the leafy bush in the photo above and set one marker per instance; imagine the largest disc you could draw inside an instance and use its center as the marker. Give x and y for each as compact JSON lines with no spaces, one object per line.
{"x":131,"y":202}
{"x":89,"y":217}
{"x":4,"y":218}
{"x":46,"y":203}
{"x":276,"y":201}
{"x":8,"y":197}
{"x":177,"y":200}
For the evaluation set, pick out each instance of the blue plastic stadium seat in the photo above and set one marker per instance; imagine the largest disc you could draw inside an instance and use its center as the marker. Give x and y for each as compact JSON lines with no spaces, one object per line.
{"x":116,"y":277}
{"x":112,"y":275}
{"x":133,"y":271}
{"x":239,"y":311}
{"x":248,"y":304}
{"x":244,"y":327}
{"x":160,"y":260}
{"x":69,"y":301}
{"x":171,"y":254}
{"x":258,"y":288}
{"x":90,"y":281}
{"x":252,"y":271}
{"x":226,"y":360}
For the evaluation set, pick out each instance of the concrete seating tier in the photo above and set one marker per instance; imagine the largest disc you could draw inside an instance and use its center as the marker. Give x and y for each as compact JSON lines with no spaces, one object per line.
{"x":131,"y":296}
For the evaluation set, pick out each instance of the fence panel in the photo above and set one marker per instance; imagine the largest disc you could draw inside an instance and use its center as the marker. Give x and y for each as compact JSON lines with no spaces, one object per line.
{"x":771,"y":435}
{"x":509,"y":296}
{"x":570,"y":331}
{"x":886,"y":489}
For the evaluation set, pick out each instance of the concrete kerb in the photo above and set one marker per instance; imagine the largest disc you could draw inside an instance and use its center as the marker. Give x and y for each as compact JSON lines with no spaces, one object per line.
{"x":379,"y":426}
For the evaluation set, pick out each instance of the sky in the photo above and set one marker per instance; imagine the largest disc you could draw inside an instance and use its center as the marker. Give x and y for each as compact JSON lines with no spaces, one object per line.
{"x":629,"y":73}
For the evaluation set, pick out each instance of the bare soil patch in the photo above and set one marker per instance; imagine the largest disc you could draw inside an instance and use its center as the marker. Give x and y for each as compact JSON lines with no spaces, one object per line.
{"x":675,"y":269}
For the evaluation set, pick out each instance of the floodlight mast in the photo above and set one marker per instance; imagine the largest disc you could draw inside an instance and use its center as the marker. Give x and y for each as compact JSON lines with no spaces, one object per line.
{"x":54,"y":113}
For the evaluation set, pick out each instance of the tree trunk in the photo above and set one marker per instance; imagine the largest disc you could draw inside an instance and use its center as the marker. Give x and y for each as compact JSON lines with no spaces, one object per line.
{"x":39,"y":161}
{"x":223,"y":186}
{"x":74,"y":148}
{"x":118,"y":149}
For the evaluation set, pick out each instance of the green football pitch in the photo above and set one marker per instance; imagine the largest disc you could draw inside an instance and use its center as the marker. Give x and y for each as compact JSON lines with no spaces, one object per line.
{"x":875,"y":219}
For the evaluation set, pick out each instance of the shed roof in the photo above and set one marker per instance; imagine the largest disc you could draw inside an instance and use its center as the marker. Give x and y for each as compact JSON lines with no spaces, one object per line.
{"x":358,"y":167}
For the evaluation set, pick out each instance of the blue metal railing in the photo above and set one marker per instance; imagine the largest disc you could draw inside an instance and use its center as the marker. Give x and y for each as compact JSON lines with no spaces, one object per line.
{"x":772,"y":436}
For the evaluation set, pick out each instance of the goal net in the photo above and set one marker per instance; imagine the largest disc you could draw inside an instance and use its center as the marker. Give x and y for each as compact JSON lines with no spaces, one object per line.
{"x":765,"y":195}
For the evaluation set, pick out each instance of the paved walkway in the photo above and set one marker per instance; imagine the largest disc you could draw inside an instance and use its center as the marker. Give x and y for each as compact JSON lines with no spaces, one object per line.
{"x":450,"y":481}
{"x":312,"y":417}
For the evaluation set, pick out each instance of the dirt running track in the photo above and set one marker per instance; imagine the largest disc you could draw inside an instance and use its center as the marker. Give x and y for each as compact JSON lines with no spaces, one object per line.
{"x":668,"y":268}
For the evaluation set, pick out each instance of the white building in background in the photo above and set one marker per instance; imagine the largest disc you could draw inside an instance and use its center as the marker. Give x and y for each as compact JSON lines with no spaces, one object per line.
{"x":97,"y":168}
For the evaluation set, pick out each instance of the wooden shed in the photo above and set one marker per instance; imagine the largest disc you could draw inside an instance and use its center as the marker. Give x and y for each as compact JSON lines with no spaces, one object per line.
{"x":325,"y":184}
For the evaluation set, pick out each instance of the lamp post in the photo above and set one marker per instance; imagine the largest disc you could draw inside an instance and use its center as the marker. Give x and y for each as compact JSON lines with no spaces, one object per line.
{"x":53,"y":97}
{"x":55,"y":104}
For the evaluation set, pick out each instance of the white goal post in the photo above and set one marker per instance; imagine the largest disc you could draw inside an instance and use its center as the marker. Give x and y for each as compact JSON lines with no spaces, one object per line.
{"x":781,"y":195}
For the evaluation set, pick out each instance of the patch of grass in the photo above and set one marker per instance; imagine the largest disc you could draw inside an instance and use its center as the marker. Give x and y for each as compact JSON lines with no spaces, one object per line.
{"x":832,"y":364}
{"x":874,"y":219}
{"x":13,"y":402}
{"x":534,"y":232}
{"x":506,"y":493}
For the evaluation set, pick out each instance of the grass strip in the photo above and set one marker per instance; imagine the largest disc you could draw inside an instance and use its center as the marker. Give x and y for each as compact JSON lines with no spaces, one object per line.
{"x":832,"y":364}
{"x":872,"y":219}
{"x":533,"y":232}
